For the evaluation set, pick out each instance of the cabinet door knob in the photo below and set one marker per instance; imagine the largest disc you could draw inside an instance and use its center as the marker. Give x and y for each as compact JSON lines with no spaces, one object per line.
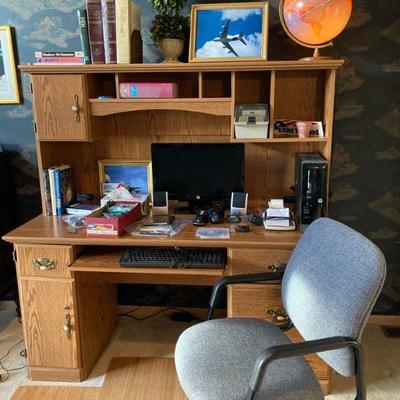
{"x":75,"y":108}
{"x":67,"y":322}
{"x":43,"y":264}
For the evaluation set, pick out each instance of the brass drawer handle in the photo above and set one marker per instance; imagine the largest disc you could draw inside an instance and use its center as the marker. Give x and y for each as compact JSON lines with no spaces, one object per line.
{"x":44,"y":264}
{"x":75,"y":108}
{"x":276,"y":267}
{"x":67,"y":322}
{"x":279,"y":314}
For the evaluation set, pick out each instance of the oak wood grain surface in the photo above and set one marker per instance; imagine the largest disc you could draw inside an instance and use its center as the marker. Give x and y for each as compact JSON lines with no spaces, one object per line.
{"x":43,"y":311}
{"x":61,"y":256}
{"x":214,"y":106}
{"x":184,"y":67}
{"x":53,"y":107}
{"x":52,"y":230}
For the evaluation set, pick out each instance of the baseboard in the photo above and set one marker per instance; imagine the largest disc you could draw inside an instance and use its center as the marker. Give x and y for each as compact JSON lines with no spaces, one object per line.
{"x":55,"y":374}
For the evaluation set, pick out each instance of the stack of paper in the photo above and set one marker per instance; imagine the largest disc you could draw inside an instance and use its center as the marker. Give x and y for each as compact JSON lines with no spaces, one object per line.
{"x":278,"y":217}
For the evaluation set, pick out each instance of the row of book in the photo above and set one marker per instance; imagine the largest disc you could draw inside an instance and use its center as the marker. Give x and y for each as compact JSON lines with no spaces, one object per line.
{"x":109,"y":32}
{"x":59,"y":188}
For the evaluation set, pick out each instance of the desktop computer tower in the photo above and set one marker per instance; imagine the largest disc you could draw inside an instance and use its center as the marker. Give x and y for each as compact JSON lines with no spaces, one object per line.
{"x":311,"y":187}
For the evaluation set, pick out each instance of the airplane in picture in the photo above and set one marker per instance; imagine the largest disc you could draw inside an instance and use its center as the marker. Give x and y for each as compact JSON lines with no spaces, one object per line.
{"x":225,"y":40}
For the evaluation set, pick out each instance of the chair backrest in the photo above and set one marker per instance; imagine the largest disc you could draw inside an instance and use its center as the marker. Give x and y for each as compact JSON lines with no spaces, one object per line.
{"x":330,"y":285}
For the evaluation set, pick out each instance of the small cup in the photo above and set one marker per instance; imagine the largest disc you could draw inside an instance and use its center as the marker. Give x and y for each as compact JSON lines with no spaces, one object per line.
{"x":303,"y":128}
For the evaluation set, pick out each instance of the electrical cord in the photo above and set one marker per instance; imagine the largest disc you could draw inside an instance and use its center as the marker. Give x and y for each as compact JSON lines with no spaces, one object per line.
{"x":162,"y":311}
{"x":22,"y":353}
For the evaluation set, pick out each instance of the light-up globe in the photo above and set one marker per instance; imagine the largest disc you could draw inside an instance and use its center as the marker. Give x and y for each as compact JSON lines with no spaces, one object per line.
{"x":314,"y":23}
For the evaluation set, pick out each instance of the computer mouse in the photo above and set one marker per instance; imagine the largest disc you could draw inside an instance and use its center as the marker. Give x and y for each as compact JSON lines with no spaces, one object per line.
{"x":200,"y":219}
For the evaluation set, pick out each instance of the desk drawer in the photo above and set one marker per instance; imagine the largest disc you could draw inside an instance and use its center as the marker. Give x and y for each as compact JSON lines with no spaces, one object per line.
{"x":45,"y":261}
{"x":247,"y":261}
{"x":253,"y":300}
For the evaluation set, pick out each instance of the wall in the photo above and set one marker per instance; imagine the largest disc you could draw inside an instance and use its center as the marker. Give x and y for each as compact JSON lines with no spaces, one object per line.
{"x":365,"y":183}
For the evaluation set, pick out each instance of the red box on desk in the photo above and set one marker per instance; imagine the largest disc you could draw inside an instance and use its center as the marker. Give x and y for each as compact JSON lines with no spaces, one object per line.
{"x":99,"y":226}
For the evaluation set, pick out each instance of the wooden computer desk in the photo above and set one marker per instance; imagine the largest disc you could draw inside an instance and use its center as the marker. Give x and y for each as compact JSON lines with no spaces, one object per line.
{"x":69,"y":303}
{"x":75,"y":125}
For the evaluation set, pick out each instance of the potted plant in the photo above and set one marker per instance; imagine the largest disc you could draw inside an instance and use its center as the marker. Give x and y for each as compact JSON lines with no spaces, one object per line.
{"x":169,"y":28}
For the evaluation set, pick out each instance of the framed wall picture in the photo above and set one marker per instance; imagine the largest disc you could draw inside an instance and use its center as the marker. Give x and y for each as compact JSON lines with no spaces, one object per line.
{"x":136,"y":174}
{"x":9,"y":93}
{"x":229,"y":32}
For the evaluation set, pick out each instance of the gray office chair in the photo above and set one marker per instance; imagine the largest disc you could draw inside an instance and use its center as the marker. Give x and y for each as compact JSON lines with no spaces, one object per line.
{"x":329,"y":287}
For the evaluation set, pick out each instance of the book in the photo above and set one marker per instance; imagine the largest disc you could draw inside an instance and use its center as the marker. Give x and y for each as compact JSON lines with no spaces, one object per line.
{"x":109,"y":31}
{"x":59,"y":54}
{"x":287,"y":128}
{"x":95,"y":27}
{"x":136,"y":47}
{"x":53,"y":199}
{"x":147,"y":90}
{"x":123,"y":19}
{"x":46,"y":191}
{"x":81,"y":209}
{"x":135,"y":17}
{"x":65,"y":188}
{"x":59,"y":60}
{"x":136,"y":37}
{"x":84,"y":35}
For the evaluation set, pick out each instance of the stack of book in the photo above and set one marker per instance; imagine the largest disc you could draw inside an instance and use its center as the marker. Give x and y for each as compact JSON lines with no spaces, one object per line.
{"x":59,"y":188}
{"x":59,"y":57}
{"x":110,"y":33}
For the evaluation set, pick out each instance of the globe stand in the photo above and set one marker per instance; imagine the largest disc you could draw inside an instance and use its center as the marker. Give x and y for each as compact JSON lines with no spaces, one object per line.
{"x":316,"y":56}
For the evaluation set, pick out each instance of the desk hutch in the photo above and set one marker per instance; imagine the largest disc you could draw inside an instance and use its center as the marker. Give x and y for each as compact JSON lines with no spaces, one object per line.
{"x":68,"y":296}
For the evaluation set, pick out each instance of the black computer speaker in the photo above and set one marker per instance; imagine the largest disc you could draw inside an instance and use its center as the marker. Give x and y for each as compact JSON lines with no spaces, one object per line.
{"x":160,"y":203}
{"x":239,"y":203}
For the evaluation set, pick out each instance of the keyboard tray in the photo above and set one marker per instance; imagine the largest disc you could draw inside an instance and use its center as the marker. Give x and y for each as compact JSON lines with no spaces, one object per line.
{"x":176,"y":257}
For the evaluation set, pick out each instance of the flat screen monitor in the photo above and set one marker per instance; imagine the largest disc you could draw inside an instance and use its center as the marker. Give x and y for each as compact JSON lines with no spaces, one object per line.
{"x":198,"y":173}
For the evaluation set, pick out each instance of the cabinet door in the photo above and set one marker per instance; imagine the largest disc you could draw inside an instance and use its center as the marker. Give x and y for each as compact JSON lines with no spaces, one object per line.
{"x":60,"y":104}
{"x":47,"y":310}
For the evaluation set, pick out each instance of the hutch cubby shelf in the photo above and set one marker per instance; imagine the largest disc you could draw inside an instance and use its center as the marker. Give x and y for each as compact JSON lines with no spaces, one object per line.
{"x":202,"y":112}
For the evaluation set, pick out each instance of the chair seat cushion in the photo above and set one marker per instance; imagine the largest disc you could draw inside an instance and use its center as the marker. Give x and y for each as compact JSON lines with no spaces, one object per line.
{"x":215,"y":360}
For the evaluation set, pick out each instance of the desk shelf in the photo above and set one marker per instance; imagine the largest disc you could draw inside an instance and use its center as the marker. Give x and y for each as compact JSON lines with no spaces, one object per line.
{"x":106,"y":260}
{"x":212,"y":106}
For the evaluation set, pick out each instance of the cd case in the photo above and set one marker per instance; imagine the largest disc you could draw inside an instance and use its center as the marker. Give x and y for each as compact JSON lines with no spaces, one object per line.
{"x":213,"y":233}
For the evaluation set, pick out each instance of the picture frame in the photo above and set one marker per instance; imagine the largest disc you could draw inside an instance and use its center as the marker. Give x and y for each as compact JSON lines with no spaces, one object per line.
{"x":136,"y":173}
{"x":228,"y":32}
{"x":9,"y":91}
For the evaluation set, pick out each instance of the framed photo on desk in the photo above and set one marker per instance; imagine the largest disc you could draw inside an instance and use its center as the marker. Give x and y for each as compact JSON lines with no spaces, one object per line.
{"x":229,"y":32}
{"x":136,"y":174}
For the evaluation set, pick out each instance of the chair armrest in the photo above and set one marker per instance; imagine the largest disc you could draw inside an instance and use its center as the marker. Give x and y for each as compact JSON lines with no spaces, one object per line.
{"x":232,"y":279}
{"x":300,"y":349}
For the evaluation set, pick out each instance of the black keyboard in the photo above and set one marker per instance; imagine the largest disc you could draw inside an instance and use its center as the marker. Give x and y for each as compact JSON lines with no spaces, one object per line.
{"x":145,"y":257}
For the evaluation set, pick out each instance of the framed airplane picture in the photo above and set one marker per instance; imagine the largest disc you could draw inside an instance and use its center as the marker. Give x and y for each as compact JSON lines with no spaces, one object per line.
{"x":137,"y":175}
{"x":9,"y":92}
{"x":229,"y":32}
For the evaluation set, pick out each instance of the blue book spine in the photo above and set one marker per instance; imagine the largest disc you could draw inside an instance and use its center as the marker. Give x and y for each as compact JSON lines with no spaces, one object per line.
{"x":59,"y":198}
